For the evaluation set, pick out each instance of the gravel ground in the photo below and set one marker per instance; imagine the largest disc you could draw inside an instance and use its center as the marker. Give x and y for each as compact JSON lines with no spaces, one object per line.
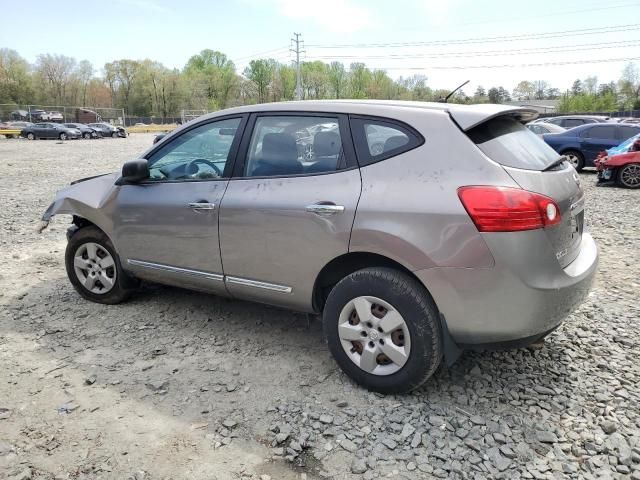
{"x":180,"y":385}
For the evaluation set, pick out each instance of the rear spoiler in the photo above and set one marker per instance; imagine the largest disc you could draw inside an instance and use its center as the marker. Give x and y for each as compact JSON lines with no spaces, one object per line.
{"x":473,"y":115}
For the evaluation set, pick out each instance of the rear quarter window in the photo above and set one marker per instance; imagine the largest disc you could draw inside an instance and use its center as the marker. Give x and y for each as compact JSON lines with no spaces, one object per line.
{"x":378,"y":139}
{"x":507,"y":142}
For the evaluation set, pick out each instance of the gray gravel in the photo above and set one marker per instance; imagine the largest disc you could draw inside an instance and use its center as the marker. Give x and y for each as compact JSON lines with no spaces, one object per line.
{"x":177,"y":384}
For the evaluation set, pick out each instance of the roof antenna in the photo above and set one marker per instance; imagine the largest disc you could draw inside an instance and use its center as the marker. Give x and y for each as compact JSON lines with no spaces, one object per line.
{"x":445,"y":99}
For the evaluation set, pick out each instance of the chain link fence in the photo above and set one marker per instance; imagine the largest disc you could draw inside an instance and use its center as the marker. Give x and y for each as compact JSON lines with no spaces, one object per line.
{"x":61,"y":114}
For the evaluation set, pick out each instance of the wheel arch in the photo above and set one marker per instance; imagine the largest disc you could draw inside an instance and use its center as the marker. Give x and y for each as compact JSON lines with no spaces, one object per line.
{"x":345,"y":264}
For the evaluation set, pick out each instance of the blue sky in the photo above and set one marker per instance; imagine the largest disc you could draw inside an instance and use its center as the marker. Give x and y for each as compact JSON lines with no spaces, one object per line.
{"x":170,"y":31}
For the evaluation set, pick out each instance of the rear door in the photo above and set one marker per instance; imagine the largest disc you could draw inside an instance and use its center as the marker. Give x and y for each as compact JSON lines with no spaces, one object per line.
{"x":626,"y":132}
{"x":527,"y":158}
{"x":289,"y":209}
{"x":597,"y":138}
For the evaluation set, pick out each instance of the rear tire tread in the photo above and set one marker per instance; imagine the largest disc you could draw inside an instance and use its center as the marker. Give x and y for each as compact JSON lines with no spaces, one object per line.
{"x":407,"y":287}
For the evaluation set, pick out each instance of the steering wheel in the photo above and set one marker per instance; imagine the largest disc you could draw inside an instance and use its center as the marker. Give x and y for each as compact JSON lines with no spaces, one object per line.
{"x":193,"y":166}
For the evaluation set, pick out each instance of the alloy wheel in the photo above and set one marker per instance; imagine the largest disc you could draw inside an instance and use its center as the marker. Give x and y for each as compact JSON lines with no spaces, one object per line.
{"x":374,"y":335}
{"x":94,"y":267}
{"x":573,"y":160}
{"x":630,"y":175}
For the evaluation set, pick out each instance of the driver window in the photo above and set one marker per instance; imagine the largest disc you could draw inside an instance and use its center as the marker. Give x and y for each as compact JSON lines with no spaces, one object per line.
{"x":198,"y":154}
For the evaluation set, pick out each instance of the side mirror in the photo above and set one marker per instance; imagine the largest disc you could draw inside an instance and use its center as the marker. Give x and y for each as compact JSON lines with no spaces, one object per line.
{"x":135,"y":170}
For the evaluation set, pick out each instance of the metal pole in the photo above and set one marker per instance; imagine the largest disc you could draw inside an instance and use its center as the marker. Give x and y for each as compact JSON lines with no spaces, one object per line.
{"x":297,"y":52}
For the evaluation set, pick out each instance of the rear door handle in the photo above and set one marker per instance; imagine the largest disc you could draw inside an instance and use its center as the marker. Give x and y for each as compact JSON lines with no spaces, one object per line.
{"x":325,"y":209}
{"x":200,"y":206}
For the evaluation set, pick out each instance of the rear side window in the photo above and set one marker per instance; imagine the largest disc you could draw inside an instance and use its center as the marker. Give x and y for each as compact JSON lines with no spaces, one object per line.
{"x":627,"y":132}
{"x":378,"y":139}
{"x":602,"y":131}
{"x":507,"y":142}
{"x":572,"y":122}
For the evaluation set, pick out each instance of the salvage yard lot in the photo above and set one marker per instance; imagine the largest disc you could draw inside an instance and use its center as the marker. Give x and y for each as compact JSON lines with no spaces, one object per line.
{"x":180,"y":385}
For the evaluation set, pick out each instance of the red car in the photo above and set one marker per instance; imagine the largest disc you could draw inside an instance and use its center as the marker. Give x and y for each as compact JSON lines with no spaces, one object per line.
{"x":623,"y":168}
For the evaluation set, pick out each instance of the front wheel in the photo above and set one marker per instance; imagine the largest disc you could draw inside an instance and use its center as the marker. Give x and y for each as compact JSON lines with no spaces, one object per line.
{"x":629,"y":175}
{"x":383,"y":329}
{"x":31,"y":136}
{"x":63,"y":136}
{"x":114,"y":135}
{"x":87,"y":135}
{"x":93,"y":267}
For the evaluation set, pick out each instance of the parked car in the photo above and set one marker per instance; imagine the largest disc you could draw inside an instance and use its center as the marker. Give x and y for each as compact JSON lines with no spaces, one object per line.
{"x":50,"y":130}
{"x":581,"y":145}
{"x":570,"y":121}
{"x":37,"y":115}
{"x":108,"y":130}
{"x":85,"y":130}
{"x":542,"y":128}
{"x":621,"y":164}
{"x":407,"y":264}
{"x":6,"y":126}
{"x":53,"y":116}
{"x":20,"y":125}
{"x":20,"y":115}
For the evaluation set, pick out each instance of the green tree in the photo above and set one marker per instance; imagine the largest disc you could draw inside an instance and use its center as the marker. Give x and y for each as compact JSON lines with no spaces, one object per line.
{"x":214,"y":75}
{"x":338,"y":79}
{"x":15,"y":78}
{"x":259,"y":72}
{"x":525,"y":90}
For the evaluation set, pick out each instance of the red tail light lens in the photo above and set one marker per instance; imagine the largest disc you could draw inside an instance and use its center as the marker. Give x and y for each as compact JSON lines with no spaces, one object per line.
{"x":505,"y":209}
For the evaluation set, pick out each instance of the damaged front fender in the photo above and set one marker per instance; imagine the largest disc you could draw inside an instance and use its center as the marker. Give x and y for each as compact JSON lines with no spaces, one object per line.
{"x":84,"y":199}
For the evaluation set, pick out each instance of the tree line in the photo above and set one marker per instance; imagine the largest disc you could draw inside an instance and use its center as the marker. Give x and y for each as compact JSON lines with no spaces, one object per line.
{"x":210,"y":81}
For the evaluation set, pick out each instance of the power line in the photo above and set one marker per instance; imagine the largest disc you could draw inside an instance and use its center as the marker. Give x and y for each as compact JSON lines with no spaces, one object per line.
{"x":528,"y":36}
{"x":493,"y":53}
{"x":522,"y":65}
{"x":263,"y":53}
{"x":587,"y":8}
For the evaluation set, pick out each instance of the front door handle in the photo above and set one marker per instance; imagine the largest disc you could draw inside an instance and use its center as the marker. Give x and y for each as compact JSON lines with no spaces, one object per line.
{"x":200,"y":206}
{"x":325,"y":209}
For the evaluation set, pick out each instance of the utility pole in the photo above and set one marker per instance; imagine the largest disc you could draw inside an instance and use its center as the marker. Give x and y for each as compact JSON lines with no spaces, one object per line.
{"x":297,"y":51}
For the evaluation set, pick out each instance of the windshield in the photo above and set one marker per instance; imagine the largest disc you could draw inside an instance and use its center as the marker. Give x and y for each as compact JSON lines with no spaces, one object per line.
{"x":508,"y":142}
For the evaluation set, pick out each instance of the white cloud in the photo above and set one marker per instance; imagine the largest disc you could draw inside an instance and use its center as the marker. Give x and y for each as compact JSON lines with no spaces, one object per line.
{"x":340,"y":16}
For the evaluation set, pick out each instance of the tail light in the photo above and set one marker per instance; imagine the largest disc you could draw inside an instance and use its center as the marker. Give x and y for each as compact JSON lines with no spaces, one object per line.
{"x":505,"y":209}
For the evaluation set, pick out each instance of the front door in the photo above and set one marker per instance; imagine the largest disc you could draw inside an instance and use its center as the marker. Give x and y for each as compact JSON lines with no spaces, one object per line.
{"x":289,"y":209}
{"x":166,"y":228}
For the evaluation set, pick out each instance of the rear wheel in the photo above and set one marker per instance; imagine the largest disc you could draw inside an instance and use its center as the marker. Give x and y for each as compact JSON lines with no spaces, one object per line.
{"x":93,"y":267}
{"x":382,"y":328}
{"x":629,"y":175}
{"x":31,"y":136}
{"x":86,"y":135}
{"x":575,"y":158}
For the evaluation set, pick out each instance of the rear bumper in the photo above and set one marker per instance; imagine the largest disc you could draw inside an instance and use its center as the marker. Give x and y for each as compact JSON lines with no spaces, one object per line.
{"x":522,"y":298}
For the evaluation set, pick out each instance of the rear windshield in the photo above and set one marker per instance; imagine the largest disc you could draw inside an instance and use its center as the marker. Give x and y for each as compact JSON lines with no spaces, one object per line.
{"x":508,"y":142}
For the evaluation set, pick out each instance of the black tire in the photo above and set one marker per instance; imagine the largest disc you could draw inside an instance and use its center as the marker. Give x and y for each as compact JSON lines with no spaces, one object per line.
{"x":628,"y":176}
{"x":419,"y":312}
{"x":63,"y":136}
{"x":579,"y":165}
{"x":87,"y":136}
{"x":114,"y":134}
{"x":31,"y":136}
{"x":118,"y":292}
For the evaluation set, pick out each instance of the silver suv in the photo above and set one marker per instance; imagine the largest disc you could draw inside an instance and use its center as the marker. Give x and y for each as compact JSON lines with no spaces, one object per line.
{"x":417,"y":229}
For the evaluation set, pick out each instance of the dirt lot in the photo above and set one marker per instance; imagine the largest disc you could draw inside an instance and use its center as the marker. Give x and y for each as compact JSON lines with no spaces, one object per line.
{"x":180,"y":385}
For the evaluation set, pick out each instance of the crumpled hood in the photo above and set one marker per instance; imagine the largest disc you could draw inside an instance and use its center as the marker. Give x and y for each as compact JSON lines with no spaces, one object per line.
{"x":83,"y":194}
